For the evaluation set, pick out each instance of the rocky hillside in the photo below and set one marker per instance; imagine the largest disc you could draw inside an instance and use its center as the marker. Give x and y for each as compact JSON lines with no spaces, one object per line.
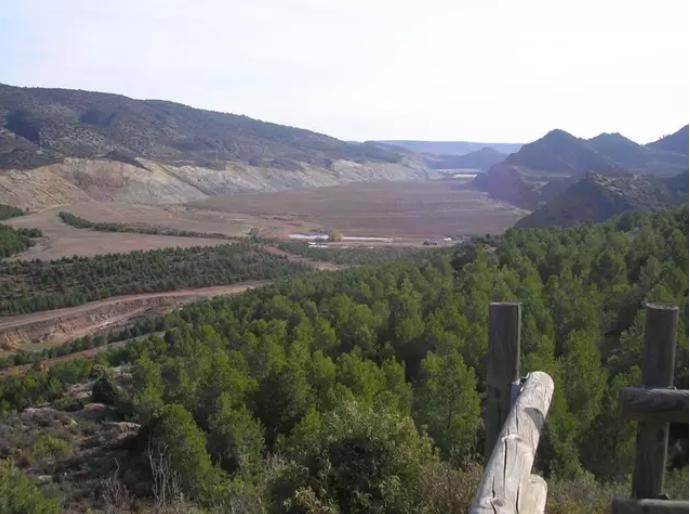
{"x":58,"y":144}
{"x":596,"y":198}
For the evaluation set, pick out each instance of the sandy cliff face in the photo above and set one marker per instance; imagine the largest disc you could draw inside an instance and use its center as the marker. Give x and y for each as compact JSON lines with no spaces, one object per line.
{"x":77,"y":180}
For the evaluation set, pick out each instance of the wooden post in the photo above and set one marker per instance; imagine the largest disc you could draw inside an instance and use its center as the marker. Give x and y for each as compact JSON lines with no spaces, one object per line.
{"x":503,"y":368}
{"x":657,"y":371}
{"x":507,"y":485}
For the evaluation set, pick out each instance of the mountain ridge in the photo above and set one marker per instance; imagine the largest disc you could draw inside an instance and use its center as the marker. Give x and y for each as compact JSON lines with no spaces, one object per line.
{"x":547,"y":166}
{"x":61,"y":144}
{"x":675,"y":142}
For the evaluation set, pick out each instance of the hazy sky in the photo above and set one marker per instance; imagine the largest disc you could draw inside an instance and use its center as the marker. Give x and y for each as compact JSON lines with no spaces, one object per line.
{"x":487,"y":70}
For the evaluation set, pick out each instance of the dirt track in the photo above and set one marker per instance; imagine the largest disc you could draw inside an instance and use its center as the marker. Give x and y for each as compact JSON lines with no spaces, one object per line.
{"x":49,"y":328}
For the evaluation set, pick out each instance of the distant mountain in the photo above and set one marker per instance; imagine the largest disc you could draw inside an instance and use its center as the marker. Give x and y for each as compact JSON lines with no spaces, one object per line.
{"x":103,"y":144}
{"x":638,"y":158}
{"x":596,"y":198}
{"x":546,"y":167}
{"x":450,"y":147}
{"x":480,"y":160}
{"x":559,"y":152}
{"x":676,"y":142}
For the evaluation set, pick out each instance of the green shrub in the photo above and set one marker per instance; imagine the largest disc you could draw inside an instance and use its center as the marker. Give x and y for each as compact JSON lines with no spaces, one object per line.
{"x":50,"y":447}
{"x":18,"y":495}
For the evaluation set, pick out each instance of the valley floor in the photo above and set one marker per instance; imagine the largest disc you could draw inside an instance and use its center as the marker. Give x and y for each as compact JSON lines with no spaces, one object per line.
{"x":408,"y":213}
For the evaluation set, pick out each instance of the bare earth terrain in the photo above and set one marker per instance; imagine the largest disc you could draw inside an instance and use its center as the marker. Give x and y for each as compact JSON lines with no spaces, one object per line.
{"x":406,"y":211}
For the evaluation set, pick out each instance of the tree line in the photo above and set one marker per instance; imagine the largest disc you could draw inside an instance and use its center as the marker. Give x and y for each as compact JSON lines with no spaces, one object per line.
{"x":15,"y":240}
{"x":108,"y":226}
{"x":9,"y":211}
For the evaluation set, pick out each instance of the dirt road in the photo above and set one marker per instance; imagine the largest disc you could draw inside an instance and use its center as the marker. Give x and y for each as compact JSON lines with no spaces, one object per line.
{"x":39,"y":330}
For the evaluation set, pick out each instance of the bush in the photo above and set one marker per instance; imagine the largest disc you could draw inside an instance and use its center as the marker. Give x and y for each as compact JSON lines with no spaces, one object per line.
{"x":52,"y":448}
{"x":18,"y":495}
{"x":355,"y":460}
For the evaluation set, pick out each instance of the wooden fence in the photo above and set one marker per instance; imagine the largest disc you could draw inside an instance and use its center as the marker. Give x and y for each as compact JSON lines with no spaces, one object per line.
{"x":654,"y":406}
{"x":515,"y":412}
{"x":514,"y":415}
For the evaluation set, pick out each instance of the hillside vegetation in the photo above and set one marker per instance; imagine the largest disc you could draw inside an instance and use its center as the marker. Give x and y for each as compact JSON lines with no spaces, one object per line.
{"x":74,"y":123}
{"x":596,"y":198}
{"x":360,"y":391}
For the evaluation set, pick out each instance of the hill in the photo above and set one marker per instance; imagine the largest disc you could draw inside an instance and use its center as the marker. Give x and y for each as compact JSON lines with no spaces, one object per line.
{"x":639,"y":158}
{"x":505,"y":183}
{"x":559,"y":152}
{"x":450,"y":147}
{"x":107,"y":146}
{"x":676,"y":142}
{"x":596,"y":198}
{"x":480,"y":160}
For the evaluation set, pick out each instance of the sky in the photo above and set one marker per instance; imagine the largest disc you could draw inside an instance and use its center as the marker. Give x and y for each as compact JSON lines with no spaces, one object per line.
{"x":481,"y":70}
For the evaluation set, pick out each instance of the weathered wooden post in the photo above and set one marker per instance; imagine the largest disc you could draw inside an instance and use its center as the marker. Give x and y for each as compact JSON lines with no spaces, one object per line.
{"x":657,"y":371}
{"x":507,"y":485}
{"x":654,"y":406}
{"x":503,"y":368}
